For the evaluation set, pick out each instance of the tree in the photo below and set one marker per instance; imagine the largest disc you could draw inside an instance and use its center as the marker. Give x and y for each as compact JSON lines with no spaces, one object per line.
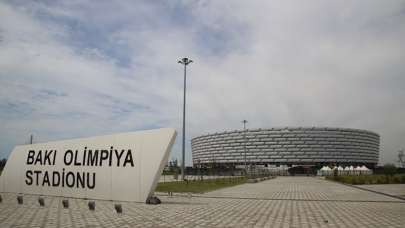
{"x":390,"y":169}
{"x":401,"y":159}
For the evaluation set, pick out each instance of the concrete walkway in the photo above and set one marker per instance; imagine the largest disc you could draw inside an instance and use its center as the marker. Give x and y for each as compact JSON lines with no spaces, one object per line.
{"x":281,"y":202}
{"x":299,"y":188}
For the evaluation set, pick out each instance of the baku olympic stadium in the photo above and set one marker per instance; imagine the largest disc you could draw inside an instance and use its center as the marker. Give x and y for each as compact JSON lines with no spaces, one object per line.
{"x":288,"y":146}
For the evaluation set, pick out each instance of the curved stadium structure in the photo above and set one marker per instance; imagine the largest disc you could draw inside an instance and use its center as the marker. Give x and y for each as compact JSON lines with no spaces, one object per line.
{"x":288,"y":146}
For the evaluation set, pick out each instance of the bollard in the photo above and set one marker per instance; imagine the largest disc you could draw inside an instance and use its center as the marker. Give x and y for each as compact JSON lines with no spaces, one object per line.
{"x":92,"y":205}
{"x":20,"y":199}
{"x":65,"y":203}
{"x":118,"y":208}
{"x":41,"y":201}
{"x":1,"y":199}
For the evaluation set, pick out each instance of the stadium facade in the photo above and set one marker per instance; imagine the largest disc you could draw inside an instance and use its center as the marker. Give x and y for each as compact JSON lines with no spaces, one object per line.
{"x":288,"y":146}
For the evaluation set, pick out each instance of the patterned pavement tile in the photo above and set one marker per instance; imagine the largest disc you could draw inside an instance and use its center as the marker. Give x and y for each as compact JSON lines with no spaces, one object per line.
{"x":281,"y":202}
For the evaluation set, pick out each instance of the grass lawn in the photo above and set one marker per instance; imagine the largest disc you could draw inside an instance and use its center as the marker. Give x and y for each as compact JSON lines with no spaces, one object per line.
{"x":199,"y":186}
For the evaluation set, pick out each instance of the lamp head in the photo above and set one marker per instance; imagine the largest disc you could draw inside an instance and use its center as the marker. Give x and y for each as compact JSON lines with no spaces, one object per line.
{"x":185,"y":61}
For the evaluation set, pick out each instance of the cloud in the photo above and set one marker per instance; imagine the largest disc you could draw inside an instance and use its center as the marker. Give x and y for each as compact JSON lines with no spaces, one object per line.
{"x":75,"y":68}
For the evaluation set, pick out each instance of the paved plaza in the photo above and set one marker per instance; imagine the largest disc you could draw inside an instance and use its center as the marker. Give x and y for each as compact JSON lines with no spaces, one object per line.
{"x":280,"y":202}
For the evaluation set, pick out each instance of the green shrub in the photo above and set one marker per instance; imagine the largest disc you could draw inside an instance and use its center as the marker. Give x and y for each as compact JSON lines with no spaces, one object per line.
{"x":368,"y":180}
{"x":380,"y":179}
{"x":358,"y":180}
{"x":396,"y":179}
{"x":390,"y":169}
{"x":347,"y":179}
{"x":402,"y":179}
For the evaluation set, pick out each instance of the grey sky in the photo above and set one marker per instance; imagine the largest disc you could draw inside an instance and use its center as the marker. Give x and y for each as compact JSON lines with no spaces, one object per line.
{"x":80,"y":68}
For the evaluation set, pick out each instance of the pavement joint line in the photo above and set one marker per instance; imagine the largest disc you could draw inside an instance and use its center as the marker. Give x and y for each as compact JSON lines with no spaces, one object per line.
{"x":286,"y":199}
{"x":369,"y":190}
{"x":382,"y":193}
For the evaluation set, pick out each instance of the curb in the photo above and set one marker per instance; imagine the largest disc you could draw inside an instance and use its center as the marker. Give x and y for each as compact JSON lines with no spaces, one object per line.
{"x":381,"y":193}
{"x":369,"y":190}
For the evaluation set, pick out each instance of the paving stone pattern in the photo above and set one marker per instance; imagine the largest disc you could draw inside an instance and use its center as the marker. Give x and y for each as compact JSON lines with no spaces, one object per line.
{"x":314,"y":208}
{"x":300,"y":188}
{"x":288,"y":146}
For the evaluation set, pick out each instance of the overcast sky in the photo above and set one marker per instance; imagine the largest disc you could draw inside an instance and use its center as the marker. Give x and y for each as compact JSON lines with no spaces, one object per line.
{"x":80,"y":68}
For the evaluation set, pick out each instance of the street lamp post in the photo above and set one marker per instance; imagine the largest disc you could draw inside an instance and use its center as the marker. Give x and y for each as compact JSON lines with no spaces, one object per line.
{"x":185,"y":62}
{"x":244,"y":139}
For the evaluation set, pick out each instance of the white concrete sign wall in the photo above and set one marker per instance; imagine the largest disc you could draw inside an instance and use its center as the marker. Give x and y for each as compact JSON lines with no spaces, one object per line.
{"x":124,"y":167}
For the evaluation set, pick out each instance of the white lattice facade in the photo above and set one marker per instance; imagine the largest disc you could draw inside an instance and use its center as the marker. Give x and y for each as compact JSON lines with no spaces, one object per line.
{"x":300,"y":145}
